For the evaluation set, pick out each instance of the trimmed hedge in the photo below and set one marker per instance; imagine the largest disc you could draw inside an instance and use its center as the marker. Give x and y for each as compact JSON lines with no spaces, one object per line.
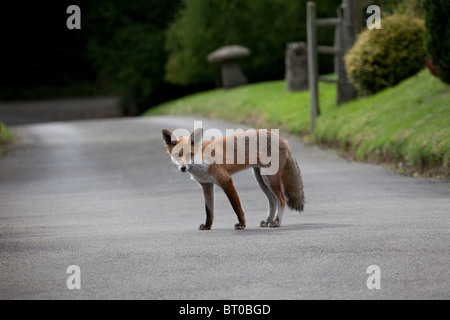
{"x":384,"y":57}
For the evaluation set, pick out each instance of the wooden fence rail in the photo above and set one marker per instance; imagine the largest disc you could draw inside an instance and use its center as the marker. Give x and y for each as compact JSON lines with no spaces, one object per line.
{"x":345,"y":35}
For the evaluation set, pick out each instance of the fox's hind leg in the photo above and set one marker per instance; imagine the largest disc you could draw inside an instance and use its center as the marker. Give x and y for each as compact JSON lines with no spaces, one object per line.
{"x":277,"y":221}
{"x":270,"y":198}
{"x":275,"y":186}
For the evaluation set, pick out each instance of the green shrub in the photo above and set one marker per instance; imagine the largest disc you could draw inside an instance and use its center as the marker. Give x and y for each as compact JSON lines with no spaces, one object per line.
{"x":384,"y":57}
{"x":437,"y":36}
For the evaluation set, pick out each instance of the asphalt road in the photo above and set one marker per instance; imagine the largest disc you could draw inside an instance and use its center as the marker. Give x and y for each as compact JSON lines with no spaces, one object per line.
{"x":104,"y":196}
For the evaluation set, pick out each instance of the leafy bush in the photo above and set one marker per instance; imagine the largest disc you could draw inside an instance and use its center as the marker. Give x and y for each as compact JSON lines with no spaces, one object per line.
{"x":382,"y":58}
{"x":437,"y":36}
{"x":265,"y":26}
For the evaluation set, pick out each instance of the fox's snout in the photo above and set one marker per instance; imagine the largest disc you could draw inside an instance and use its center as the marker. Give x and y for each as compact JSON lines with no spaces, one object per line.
{"x":183,"y":168}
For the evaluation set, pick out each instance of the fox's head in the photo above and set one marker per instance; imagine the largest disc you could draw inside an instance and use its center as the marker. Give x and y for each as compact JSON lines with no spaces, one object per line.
{"x":183,"y":149}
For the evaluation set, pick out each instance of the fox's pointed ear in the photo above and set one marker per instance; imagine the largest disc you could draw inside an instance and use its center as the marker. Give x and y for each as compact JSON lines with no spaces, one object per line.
{"x":167,"y":137}
{"x":197,"y":136}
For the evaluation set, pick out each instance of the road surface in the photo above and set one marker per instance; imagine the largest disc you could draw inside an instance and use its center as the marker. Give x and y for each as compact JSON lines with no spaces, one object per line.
{"x":104,"y":196}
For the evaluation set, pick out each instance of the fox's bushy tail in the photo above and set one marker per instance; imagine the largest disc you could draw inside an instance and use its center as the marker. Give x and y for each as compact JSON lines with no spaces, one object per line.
{"x":293,"y":185}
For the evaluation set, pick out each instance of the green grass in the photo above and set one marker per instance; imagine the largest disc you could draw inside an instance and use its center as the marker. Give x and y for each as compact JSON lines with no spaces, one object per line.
{"x":406,"y":126}
{"x":263,"y":105}
{"x":5,"y":136}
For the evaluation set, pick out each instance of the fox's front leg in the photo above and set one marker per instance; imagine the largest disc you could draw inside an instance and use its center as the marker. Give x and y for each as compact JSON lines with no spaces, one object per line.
{"x":208,"y":192}
{"x":230,"y":191}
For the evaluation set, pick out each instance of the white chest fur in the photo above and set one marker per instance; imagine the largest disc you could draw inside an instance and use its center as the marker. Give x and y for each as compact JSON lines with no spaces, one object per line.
{"x":199,"y":173}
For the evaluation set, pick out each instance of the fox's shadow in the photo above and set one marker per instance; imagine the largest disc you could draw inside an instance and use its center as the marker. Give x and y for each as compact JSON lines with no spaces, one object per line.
{"x":284,"y":228}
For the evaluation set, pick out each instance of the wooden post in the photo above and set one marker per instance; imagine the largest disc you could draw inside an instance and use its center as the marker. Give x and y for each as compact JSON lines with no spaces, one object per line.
{"x":312,"y":63}
{"x":347,"y":24}
{"x":350,"y":12}
{"x":339,"y":65}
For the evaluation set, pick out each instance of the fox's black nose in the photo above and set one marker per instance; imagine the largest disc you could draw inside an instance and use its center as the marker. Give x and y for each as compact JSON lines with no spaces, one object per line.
{"x":183,"y":168}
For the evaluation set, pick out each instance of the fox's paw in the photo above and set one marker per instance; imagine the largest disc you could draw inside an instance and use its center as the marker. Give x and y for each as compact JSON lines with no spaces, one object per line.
{"x":204,"y":227}
{"x":274,"y":224}
{"x":263,"y":224}
{"x":239,"y":226}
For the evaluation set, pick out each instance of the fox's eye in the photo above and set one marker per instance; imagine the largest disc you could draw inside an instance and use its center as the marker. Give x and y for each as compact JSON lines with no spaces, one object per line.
{"x":176,"y":155}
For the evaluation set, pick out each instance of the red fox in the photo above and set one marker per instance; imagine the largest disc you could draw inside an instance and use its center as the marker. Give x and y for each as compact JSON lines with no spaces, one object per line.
{"x":213,"y":162}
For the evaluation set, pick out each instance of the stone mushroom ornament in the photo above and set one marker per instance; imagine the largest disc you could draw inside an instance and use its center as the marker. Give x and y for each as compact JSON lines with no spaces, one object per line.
{"x":231,"y":72}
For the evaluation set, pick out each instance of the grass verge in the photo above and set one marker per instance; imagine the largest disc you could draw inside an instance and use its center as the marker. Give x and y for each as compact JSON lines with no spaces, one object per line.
{"x":5,"y":137}
{"x":406,"y":126}
{"x":261,"y":105}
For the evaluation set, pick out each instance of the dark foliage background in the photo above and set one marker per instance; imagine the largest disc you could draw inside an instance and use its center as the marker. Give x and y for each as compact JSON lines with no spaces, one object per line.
{"x":38,"y":49}
{"x":437,"y":36}
{"x":147,"y":51}
{"x":265,"y":26}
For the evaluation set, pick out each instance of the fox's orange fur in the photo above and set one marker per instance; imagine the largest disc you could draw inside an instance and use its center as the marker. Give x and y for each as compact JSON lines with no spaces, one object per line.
{"x":209,"y":163}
